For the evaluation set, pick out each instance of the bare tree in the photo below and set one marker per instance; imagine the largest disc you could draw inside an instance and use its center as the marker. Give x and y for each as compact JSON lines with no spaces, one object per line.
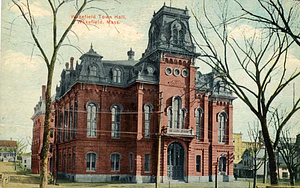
{"x":57,"y":41}
{"x":260,"y":58}
{"x":287,"y":147}
{"x":255,"y":149}
{"x":276,"y":16}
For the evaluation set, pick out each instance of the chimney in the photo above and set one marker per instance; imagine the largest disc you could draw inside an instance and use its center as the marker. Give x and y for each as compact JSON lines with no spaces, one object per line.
{"x":130,"y":55}
{"x":72,"y":63}
{"x":67,"y":65}
{"x":43,"y":92}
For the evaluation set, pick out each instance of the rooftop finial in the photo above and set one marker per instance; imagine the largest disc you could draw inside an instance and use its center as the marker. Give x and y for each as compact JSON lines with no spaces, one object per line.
{"x":91,"y":45}
{"x":164,"y":3}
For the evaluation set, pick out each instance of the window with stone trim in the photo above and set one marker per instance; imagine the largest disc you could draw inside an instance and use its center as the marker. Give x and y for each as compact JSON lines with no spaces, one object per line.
{"x":91,"y":119}
{"x":91,"y":160}
{"x":66,"y":125}
{"x":115,"y":159}
{"x":116,"y":110}
{"x":131,"y":161}
{"x":70,"y":161}
{"x":198,"y":115}
{"x":222,"y":119}
{"x":198,"y":163}
{"x":71,"y":122}
{"x":75,"y":118}
{"x":60,"y":131}
{"x":222,"y":165}
{"x":147,"y":111}
{"x":176,"y":114}
{"x":74,"y":161}
{"x":64,"y":163}
{"x":147,"y":162}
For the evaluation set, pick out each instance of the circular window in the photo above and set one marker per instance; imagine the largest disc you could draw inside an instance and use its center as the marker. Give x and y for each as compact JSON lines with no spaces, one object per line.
{"x":168,"y":70}
{"x":185,"y":73}
{"x":176,"y":72}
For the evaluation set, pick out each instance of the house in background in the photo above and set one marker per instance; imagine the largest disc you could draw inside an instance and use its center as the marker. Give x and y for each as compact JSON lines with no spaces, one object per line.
{"x":7,"y":150}
{"x":26,"y":160}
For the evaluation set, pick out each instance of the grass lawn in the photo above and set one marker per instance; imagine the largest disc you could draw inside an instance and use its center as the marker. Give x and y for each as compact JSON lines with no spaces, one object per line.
{"x":18,"y":180}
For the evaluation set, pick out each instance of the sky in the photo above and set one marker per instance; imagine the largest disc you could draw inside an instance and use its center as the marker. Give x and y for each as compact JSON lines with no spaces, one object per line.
{"x":23,"y":72}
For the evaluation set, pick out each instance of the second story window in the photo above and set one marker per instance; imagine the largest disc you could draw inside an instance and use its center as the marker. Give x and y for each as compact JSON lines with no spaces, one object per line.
{"x":147,"y":111}
{"x":91,"y":120}
{"x":116,"y":120}
{"x":66,"y":125}
{"x":222,"y":119}
{"x":176,"y":114}
{"x":198,"y":115}
{"x":71,"y":123}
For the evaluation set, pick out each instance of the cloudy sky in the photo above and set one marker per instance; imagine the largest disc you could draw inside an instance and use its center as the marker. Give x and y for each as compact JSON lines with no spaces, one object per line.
{"x":23,"y":72}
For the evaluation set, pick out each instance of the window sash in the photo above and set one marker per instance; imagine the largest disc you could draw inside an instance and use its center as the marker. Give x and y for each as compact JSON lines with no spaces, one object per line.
{"x":198,"y":163}
{"x":115,"y":162}
{"x":92,"y":121}
{"x":147,"y":162}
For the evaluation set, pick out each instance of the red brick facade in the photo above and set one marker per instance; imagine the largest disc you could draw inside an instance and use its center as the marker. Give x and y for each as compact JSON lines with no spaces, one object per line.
{"x":102,"y":128}
{"x":37,"y":135}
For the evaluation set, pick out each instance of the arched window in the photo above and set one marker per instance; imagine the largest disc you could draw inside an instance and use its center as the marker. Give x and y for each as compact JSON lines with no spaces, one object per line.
{"x":198,"y":115}
{"x":175,"y":35}
{"x":147,"y":110}
{"x":92,"y":120}
{"x":71,"y":122}
{"x":66,"y":125}
{"x":91,"y":161}
{"x":61,"y":115}
{"x":183,"y":113}
{"x":181,"y":37}
{"x":115,"y":120}
{"x":75,"y":119}
{"x":222,"y":165}
{"x":115,"y":161}
{"x":176,"y":114}
{"x":222,"y":118}
{"x":117,"y":75}
{"x":131,"y":160}
{"x":93,"y":70}
{"x":169,"y":113}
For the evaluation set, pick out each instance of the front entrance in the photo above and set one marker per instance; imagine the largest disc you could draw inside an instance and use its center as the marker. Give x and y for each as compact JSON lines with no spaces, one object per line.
{"x":175,"y":161}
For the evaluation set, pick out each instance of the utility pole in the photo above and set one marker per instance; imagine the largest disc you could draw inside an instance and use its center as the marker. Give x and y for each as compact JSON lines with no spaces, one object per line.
{"x":160,"y":95}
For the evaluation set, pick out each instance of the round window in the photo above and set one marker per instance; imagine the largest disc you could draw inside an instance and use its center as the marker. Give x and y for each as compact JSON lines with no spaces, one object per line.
{"x":176,"y":72}
{"x":168,"y":70}
{"x":185,"y":73}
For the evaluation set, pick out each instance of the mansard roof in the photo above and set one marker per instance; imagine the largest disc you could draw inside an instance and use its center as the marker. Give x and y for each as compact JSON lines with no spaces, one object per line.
{"x":169,"y":34}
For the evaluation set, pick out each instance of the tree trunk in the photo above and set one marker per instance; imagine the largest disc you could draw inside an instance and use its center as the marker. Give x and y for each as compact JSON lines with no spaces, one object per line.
{"x":46,"y":135}
{"x":270,"y":150}
{"x":292,"y":179}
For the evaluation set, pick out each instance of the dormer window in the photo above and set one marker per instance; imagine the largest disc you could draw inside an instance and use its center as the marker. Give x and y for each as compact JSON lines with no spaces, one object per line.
{"x":117,"y":75}
{"x":177,"y":34}
{"x":93,"y":70}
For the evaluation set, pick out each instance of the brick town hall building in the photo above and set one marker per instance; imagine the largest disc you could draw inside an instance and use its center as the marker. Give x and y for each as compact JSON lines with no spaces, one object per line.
{"x":107,"y":113}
